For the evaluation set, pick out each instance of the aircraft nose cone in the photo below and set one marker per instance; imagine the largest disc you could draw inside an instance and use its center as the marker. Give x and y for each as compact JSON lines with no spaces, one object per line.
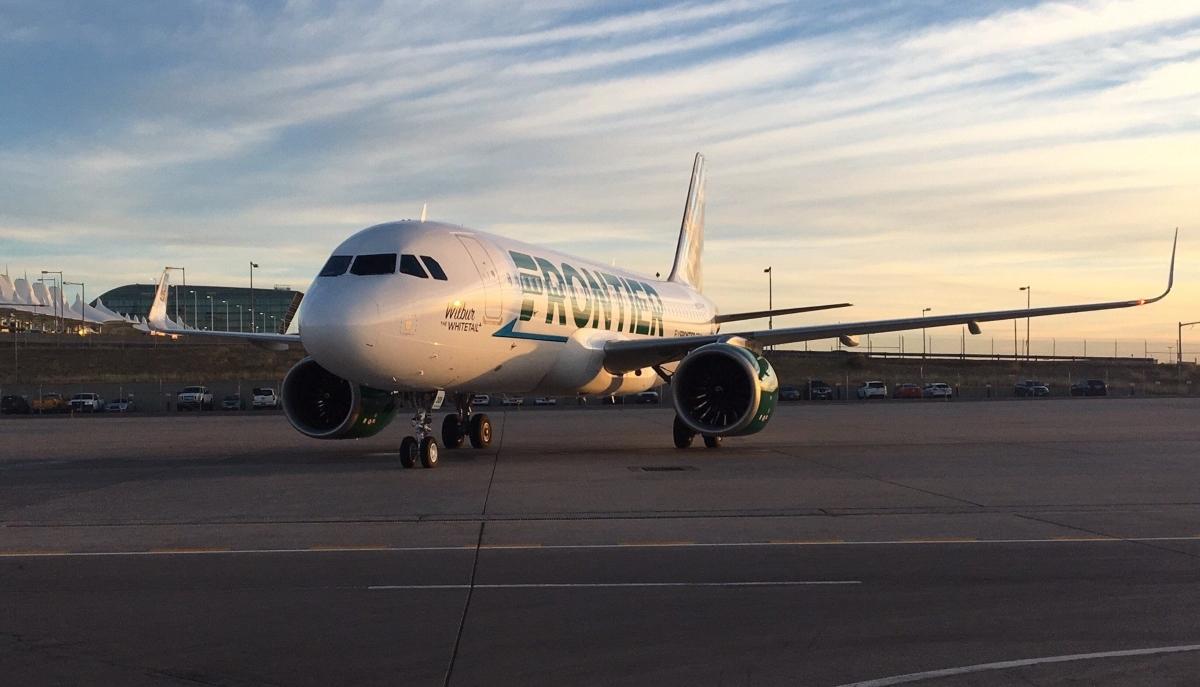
{"x":340,"y":330}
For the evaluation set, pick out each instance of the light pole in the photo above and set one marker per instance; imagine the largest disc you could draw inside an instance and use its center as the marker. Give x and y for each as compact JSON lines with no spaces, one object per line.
{"x":923,"y":331}
{"x":239,"y":307}
{"x":57,"y":306}
{"x":1179,"y":350}
{"x":770,"y":298}
{"x":274,"y":325}
{"x":264,"y":319}
{"x":210,"y":312}
{"x":252,"y":323}
{"x":226,"y":315}
{"x":195,"y":307}
{"x":83,"y":303}
{"x":1028,"y":291}
{"x":184,"y":270}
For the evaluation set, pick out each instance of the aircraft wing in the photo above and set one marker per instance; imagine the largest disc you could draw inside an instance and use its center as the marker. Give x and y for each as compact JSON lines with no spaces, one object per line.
{"x":759,"y":314}
{"x":628,"y":355}
{"x":158,"y":323}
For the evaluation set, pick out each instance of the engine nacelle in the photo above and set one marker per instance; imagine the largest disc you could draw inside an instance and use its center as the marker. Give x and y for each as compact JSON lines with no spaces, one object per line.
{"x":322,"y":405}
{"x":725,"y":389}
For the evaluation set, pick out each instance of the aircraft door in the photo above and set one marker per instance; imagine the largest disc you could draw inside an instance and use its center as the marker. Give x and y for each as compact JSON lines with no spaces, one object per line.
{"x":489,"y":275}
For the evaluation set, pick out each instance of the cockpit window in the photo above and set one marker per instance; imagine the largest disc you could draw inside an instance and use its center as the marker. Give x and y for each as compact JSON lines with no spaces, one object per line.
{"x":434,"y":268}
{"x":409,"y":265}
{"x":335,"y":266}
{"x":378,"y":263}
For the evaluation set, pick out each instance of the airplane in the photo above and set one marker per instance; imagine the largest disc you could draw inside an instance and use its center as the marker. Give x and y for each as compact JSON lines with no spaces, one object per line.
{"x":413,"y":312}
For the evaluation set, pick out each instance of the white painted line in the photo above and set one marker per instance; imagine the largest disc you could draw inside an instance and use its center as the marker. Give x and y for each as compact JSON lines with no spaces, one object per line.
{"x":1005,"y":665}
{"x":616,"y":585}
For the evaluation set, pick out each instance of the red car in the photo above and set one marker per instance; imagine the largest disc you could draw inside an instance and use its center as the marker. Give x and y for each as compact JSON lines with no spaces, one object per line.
{"x":906,"y":391}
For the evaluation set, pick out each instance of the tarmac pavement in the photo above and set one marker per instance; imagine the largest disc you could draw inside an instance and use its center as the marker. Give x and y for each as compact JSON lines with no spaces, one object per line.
{"x":1002,"y":543}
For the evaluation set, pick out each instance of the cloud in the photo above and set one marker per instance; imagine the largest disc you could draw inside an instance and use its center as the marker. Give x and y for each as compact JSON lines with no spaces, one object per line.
{"x":942,"y":147}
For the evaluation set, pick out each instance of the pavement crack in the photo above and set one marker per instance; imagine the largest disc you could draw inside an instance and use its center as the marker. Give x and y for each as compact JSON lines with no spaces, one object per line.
{"x":877,"y":478}
{"x":1100,"y":533}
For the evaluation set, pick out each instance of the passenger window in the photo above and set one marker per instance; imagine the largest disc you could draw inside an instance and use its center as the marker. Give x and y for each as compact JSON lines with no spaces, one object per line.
{"x":335,"y":266}
{"x":434,"y":268}
{"x":379,"y":263}
{"x":409,"y":265}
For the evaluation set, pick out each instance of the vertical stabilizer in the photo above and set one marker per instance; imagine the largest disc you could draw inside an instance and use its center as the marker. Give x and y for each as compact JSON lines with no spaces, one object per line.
{"x":687,"y":268}
{"x":158,"y":309}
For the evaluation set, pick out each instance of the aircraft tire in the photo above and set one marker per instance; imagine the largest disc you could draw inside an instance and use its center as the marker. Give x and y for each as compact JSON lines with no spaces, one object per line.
{"x":452,"y":432}
{"x":408,"y":452}
{"x":683,"y":434}
{"x":712,"y":442}
{"x":429,"y":452}
{"x":481,"y":430}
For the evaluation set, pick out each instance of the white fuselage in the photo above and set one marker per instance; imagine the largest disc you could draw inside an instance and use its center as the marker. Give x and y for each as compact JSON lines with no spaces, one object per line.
{"x":507,"y":317}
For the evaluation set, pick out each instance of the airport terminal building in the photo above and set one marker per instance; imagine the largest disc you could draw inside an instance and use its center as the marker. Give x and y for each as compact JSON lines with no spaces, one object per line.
{"x":216,"y":308}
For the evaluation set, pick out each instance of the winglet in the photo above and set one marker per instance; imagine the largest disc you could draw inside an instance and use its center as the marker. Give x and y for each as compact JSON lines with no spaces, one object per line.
{"x":1170,"y":274}
{"x":158,"y":309}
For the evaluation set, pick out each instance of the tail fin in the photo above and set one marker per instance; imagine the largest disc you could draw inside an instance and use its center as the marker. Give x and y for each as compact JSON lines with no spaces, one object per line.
{"x":687,"y":268}
{"x":157,"y":318}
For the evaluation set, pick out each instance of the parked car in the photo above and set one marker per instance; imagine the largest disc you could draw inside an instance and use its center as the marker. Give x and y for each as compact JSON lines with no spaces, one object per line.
{"x":870,"y":390}
{"x":545,"y":401}
{"x":264,"y":398}
{"x":49,"y":402}
{"x":789,"y":393}
{"x":816,"y":390}
{"x":194,"y":397}
{"x":123,"y":404}
{"x":14,"y":405}
{"x":648,"y":397}
{"x":1031,"y":388}
{"x":507,"y":400}
{"x":939,"y":390}
{"x":481,"y":400}
{"x":231,"y":402}
{"x":1089,"y":387}
{"x":907,"y":391}
{"x":86,"y":402}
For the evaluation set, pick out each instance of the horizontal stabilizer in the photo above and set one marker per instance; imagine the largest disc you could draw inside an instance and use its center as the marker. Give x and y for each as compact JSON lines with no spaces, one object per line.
{"x":757,"y":314}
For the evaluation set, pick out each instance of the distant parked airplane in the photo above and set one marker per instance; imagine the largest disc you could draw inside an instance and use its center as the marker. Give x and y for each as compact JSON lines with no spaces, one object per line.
{"x":406,"y":313}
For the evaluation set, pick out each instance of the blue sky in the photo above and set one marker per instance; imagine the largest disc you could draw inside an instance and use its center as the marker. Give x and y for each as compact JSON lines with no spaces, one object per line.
{"x":895,"y":154}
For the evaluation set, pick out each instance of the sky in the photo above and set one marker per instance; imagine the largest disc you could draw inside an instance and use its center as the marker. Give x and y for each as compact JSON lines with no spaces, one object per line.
{"x":898,"y":155}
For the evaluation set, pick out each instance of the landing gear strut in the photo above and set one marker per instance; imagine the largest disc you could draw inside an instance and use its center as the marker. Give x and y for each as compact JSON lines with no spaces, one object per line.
{"x":464,"y":423}
{"x":684,"y":436}
{"x":423,"y":446}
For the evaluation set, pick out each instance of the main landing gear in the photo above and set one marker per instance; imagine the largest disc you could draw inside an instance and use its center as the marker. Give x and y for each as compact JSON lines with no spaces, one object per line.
{"x":684,"y":436}
{"x":456,"y":429}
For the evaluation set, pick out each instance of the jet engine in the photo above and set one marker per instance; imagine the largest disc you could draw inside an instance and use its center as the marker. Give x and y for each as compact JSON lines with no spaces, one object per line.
{"x":322,"y":405}
{"x":725,"y":389}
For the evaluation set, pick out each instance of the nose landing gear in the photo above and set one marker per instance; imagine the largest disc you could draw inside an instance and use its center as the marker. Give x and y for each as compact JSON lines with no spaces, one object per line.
{"x":423,"y":447}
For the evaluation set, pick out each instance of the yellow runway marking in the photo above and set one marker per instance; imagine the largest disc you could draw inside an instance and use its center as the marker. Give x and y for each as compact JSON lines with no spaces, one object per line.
{"x":34,"y":552}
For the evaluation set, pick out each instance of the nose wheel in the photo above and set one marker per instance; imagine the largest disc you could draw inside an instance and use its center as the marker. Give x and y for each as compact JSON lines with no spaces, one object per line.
{"x":423,"y":447}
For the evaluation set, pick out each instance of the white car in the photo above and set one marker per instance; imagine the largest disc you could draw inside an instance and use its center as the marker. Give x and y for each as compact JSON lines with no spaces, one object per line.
{"x":545,"y":401}
{"x":481,"y":400}
{"x":938,"y":390}
{"x":264,"y":398}
{"x":872,"y":390}
{"x":194,"y":397}
{"x":512,"y":401}
{"x":86,"y":403}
